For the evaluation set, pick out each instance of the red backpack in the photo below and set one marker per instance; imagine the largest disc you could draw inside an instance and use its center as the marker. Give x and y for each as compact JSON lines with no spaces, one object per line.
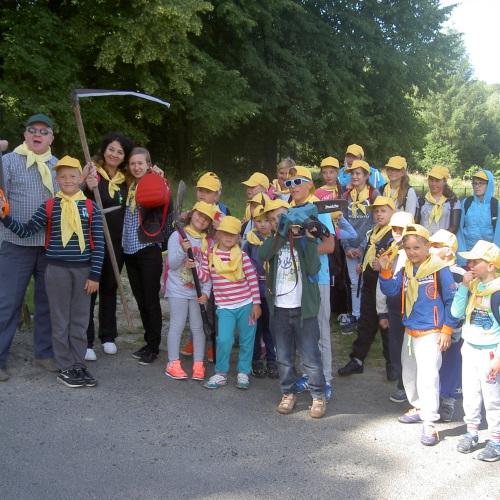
{"x":153,"y":191}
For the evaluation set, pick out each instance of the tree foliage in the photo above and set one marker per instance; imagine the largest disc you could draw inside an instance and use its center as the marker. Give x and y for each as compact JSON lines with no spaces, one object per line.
{"x":249,"y":81}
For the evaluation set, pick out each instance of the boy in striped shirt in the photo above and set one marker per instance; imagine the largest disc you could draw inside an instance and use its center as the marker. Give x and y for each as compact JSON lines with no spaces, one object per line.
{"x":75,"y":251}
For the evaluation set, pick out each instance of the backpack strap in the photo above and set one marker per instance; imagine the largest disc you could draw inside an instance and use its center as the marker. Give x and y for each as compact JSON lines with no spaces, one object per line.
{"x":495,"y":304}
{"x":90,"y":212}
{"x":494,"y":212}
{"x":49,"y":206}
{"x":370,"y":195}
{"x":468,"y":203}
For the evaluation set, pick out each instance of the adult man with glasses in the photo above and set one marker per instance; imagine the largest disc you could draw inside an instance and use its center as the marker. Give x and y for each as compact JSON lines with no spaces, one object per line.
{"x":29,"y":181}
{"x":479,"y":215}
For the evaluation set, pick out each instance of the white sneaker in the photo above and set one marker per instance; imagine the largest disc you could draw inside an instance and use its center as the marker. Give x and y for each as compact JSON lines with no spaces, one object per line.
{"x":242,"y":381}
{"x":109,"y":348}
{"x":90,"y":355}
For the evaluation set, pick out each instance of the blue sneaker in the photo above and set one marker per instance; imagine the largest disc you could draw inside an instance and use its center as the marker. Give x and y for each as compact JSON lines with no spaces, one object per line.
{"x":302,"y":384}
{"x":328,"y":392}
{"x":467,"y":443}
{"x":491,"y":453}
{"x":410,"y":417}
{"x":430,"y":436}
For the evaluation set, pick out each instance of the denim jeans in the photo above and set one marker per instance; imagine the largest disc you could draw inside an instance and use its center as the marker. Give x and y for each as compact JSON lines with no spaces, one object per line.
{"x":291,"y":333}
{"x":354,"y":278}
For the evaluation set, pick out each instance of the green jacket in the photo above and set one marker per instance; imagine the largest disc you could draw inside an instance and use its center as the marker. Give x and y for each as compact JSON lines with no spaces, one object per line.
{"x":309,"y":267}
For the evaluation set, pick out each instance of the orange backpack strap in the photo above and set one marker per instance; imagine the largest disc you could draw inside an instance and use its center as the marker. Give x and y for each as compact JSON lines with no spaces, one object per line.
{"x":49,"y":206}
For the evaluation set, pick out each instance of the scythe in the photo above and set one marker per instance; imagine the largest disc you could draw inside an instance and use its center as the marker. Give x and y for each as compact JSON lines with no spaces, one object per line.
{"x":75,"y":94}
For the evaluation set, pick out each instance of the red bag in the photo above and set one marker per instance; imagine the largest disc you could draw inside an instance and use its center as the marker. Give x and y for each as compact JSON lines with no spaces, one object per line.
{"x":152,"y":191}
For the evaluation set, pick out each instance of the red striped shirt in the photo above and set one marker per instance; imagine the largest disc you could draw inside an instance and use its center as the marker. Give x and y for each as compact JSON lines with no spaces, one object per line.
{"x":230,"y":293}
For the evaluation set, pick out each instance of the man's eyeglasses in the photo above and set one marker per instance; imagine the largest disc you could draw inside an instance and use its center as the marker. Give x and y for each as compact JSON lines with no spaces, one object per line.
{"x":479,"y":184}
{"x":41,"y":131}
{"x":295,"y":182}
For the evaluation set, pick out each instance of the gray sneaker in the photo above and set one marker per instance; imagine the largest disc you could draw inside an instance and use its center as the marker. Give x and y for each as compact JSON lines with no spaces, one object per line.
{"x":3,"y":375}
{"x":47,"y":363}
{"x":467,"y":443}
{"x":490,"y":454}
{"x":446,"y":411}
{"x":398,"y":396}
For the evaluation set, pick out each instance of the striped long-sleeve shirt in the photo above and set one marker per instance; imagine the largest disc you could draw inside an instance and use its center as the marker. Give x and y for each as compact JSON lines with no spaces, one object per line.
{"x":230,"y":294}
{"x":70,"y":255}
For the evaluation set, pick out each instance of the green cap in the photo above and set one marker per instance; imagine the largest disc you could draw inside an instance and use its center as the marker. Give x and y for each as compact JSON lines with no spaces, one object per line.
{"x":40,"y":117}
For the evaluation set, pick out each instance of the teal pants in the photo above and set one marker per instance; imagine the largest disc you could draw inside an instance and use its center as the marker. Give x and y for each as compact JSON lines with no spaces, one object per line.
{"x":229,"y":319}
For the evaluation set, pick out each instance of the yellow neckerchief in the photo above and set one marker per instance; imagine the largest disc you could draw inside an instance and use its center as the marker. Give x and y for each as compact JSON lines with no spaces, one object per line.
{"x":431,"y":265}
{"x":114,"y":183}
{"x":309,"y":199}
{"x":232,"y":270}
{"x":253,"y":239}
{"x":358,"y":199}
{"x":333,"y":189}
{"x":377,"y":234}
{"x":70,"y":218}
{"x":131,"y":197}
{"x":491,"y":288}
{"x":387,"y":192}
{"x":437,"y":209}
{"x":32,"y":158}
{"x":276,"y":185}
{"x":198,"y":236}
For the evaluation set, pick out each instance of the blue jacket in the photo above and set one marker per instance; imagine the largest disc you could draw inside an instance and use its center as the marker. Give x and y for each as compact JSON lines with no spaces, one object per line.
{"x":428,"y":312}
{"x":476,"y":224}
{"x":376,"y":179}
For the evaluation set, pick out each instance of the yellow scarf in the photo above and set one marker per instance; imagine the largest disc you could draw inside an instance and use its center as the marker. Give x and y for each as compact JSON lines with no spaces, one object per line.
{"x":114,"y":183}
{"x":387,"y":192}
{"x":491,"y":288}
{"x":437,"y":209}
{"x":131,"y":197}
{"x":198,"y":236}
{"x":431,"y":265}
{"x":277,"y":186}
{"x":309,"y":199}
{"x":333,"y":189}
{"x":32,"y":158}
{"x":377,"y":234}
{"x":358,"y":199}
{"x":253,"y":239}
{"x":232,"y":270}
{"x":70,"y":218}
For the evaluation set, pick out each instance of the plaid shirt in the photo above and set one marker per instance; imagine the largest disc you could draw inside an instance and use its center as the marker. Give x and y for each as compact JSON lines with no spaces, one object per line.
{"x":25,"y":192}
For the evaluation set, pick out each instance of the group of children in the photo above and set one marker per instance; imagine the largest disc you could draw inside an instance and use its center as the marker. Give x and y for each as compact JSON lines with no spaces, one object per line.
{"x":276,"y":290}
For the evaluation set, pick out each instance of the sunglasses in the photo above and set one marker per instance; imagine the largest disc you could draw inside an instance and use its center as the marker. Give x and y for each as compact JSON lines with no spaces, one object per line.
{"x":41,"y":131}
{"x":295,"y":182}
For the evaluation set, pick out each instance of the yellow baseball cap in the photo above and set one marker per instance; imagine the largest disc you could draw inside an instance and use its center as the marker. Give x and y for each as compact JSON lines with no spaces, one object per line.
{"x":401,"y":219}
{"x":329,"y":161}
{"x":355,"y":150}
{"x":439,"y":172}
{"x":397,"y":162}
{"x":299,"y":171}
{"x":230,"y":224}
{"x":416,"y":230}
{"x":68,"y":161}
{"x":209,"y":181}
{"x":257,"y":179}
{"x":358,"y":164}
{"x":380,"y":201}
{"x":260,"y":198}
{"x":259,"y":212}
{"x":481,"y":175}
{"x":445,"y":238}
{"x":206,"y":208}
{"x":275,"y":204}
{"x":483,"y":250}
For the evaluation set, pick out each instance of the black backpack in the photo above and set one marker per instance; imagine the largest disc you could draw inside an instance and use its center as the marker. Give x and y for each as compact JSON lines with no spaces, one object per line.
{"x":493,"y":209}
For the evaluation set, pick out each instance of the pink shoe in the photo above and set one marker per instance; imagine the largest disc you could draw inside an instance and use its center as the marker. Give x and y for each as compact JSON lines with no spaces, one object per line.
{"x":198,"y":371}
{"x":175,"y":371}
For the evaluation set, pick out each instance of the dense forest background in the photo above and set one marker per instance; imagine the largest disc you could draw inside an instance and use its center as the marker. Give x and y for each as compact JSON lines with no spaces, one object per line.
{"x":251,"y":81}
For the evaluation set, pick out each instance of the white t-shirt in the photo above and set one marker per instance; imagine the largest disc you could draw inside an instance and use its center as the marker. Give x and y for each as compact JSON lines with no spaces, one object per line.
{"x":287,"y":294}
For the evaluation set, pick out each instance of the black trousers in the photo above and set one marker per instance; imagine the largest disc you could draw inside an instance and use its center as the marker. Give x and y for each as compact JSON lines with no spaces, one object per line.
{"x":144,"y":269}
{"x":368,"y":320}
{"x":107,"y":300}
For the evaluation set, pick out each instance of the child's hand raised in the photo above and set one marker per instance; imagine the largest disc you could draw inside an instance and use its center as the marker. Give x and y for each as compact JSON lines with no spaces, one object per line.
{"x":157,"y":170}
{"x":468,"y":277}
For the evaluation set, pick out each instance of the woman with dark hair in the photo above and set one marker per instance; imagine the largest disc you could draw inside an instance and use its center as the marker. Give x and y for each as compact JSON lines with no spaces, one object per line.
{"x":112,"y":182}
{"x":439,"y":208}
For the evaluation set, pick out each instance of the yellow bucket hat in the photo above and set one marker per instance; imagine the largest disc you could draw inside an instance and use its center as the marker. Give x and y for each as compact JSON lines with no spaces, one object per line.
{"x":230,"y":224}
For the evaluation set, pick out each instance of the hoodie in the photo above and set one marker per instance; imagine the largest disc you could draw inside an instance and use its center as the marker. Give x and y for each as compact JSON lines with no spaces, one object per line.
{"x":476,"y":224}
